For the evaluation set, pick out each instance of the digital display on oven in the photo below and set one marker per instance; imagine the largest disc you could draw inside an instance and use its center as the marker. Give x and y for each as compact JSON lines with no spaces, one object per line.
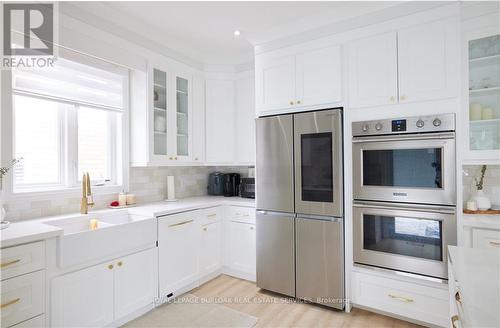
{"x":398,"y":125}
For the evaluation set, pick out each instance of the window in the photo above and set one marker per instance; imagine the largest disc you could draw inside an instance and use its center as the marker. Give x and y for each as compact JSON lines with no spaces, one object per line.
{"x":67,"y":121}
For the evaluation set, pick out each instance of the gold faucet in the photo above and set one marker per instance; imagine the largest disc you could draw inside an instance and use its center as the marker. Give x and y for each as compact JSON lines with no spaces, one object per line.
{"x":87,"y":198}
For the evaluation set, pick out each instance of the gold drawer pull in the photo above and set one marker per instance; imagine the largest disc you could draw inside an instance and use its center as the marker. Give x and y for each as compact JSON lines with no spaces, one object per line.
{"x":401,"y":298}
{"x":120,"y":263}
{"x":180,"y":223}
{"x":211,"y":215}
{"x":454,"y":319}
{"x":110,"y":266}
{"x":10,"y":303}
{"x":205,"y":229}
{"x":3,"y":265}
{"x":494,"y":243}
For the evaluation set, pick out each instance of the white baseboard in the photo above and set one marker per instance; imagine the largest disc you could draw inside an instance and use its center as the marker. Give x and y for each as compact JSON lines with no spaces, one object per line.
{"x":132,"y":316}
{"x":239,"y":274}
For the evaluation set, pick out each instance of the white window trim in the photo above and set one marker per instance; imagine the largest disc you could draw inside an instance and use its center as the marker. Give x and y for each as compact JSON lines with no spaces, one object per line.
{"x":7,"y":148}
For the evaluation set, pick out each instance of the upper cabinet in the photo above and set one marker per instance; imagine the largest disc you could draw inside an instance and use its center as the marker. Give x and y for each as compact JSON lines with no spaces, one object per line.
{"x":482,"y":98}
{"x":373,"y":71}
{"x":300,"y":80}
{"x":413,"y":64}
{"x":163,"y":124}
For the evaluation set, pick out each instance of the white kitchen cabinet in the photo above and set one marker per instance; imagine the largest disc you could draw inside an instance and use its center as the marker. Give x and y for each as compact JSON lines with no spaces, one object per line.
{"x":481,"y":103}
{"x":198,"y":134}
{"x":373,"y":71}
{"x":135,"y":282}
{"x":428,"y":61}
{"x":419,"y":63}
{"x":275,"y":83}
{"x":426,"y":302}
{"x":98,"y":295}
{"x":486,"y":239}
{"x":83,"y":298}
{"x":306,"y":78}
{"x":178,"y":240}
{"x":318,"y":77}
{"x":245,"y":120}
{"x":220,"y":119}
{"x":210,"y":248}
{"x":241,"y":247}
{"x":162,"y":125}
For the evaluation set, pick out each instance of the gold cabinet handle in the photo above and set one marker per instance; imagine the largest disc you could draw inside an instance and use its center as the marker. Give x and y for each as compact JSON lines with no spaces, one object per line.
{"x":298,"y":102}
{"x":392,"y":99}
{"x":402,"y":97}
{"x":180,"y":223}
{"x":211,"y":215}
{"x":6,"y":264}
{"x":14,"y":301}
{"x":401,"y":298}
{"x":457,"y":298}
{"x":205,"y":229}
{"x":196,"y":158}
{"x":175,"y":157}
{"x":291,"y":103}
{"x":119,"y":263}
{"x":454,"y":319}
{"x":170,"y":158}
{"x":494,"y":243}
{"x":110,"y":266}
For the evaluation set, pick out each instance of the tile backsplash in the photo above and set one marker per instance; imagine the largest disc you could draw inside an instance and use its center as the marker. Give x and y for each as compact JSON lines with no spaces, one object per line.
{"x":148,"y":184}
{"x":491,"y":182}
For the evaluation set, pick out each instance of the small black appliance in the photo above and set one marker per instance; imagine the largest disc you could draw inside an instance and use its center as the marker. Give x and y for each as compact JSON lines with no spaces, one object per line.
{"x":247,"y":188}
{"x":216,"y":183}
{"x":231,"y":184}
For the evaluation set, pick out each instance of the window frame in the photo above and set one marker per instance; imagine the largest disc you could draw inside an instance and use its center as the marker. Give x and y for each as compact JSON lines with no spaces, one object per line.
{"x":72,"y":188}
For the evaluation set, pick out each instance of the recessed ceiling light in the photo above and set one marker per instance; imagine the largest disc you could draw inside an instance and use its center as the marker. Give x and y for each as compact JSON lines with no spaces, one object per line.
{"x":237,"y":33}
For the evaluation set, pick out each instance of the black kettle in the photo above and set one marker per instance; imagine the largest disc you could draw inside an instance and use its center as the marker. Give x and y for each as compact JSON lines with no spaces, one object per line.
{"x":231,"y":184}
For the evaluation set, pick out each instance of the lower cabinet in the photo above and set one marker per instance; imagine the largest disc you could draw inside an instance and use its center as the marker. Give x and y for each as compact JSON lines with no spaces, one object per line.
{"x":241,"y":248}
{"x":423,"y":302}
{"x":178,"y":240}
{"x":103,"y":293}
{"x":210,"y":248}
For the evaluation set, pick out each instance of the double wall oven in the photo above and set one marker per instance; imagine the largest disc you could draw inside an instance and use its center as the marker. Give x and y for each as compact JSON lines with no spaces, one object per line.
{"x":404,"y":193}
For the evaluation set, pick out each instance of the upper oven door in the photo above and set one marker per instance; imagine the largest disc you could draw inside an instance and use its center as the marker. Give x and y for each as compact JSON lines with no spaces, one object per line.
{"x":318,"y":163}
{"x":411,"y":169}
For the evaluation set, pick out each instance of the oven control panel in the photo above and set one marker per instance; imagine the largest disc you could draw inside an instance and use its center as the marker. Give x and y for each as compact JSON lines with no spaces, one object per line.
{"x":417,"y":124}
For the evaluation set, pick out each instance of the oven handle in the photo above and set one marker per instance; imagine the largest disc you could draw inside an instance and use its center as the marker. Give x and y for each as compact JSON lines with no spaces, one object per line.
{"x":407,"y":207}
{"x":402,"y":137}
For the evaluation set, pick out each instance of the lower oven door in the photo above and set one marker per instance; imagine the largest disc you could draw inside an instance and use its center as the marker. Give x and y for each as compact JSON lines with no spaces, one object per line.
{"x":408,"y":238}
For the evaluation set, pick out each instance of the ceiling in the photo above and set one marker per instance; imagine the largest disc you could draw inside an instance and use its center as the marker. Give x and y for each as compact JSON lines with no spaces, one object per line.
{"x":203,"y":31}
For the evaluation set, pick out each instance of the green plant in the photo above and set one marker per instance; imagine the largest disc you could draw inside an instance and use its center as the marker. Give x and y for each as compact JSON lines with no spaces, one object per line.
{"x":5,"y":169}
{"x":479,"y":184}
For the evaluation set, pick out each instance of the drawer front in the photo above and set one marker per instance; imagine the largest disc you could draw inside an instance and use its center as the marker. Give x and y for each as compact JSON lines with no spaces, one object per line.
{"x":241,"y":213}
{"x":211,"y":215}
{"x":22,"y":298}
{"x":402,"y":298}
{"x":486,"y":239}
{"x":37,"y":322}
{"x":22,"y":259}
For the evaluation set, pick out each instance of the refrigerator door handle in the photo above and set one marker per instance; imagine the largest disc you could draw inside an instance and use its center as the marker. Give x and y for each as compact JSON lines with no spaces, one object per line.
{"x":263,"y":212}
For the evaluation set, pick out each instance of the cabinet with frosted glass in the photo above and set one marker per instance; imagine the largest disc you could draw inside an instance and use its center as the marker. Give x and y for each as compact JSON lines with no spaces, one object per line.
{"x":482,"y":97}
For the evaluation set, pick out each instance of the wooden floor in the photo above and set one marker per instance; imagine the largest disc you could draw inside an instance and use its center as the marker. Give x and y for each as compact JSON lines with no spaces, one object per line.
{"x":273,"y":312}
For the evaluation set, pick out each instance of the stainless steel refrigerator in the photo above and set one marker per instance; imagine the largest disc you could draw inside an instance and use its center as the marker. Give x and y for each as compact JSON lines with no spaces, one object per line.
{"x":299,"y":195}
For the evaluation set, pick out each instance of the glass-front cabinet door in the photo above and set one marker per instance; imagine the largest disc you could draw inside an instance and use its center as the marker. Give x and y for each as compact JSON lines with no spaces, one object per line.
{"x":183,"y":118}
{"x":160,"y":117}
{"x":483,"y":68}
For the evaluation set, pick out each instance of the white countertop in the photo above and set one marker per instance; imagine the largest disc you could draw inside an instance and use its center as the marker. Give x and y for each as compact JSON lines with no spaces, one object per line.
{"x":477,"y":275}
{"x":188,"y":204}
{"x":33,"y":230}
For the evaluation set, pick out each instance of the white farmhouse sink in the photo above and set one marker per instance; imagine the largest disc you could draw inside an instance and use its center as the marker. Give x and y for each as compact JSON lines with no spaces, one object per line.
{"x":118,"y":232}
